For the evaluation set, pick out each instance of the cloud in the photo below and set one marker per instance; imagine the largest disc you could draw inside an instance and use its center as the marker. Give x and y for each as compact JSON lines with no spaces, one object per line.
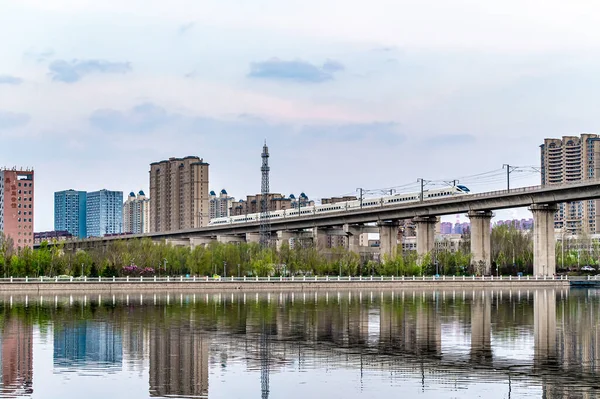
{"x":73,"y":71}
{"x":10,"y":80}
{"x":384,"y":132}
{"x":183,"y":29}
{"x":333,"y":66}
{"x":297,"y":71}
{"x":39,"y":56}
{"x":141,"y":118}
{"x":10,"y":120}
{"x":446,"y":140}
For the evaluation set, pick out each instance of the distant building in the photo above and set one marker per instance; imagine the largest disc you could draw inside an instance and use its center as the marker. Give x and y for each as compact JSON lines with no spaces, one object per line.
{"x":51,"y":236}
{"x":522,"y":224}
{"x":567,"y":160}
{"x":461,"y":228}
{"x":69,"y":212}
{"x":16,"y":206}
{"x":104,"y":213}
{"x":179,"y":192}
{"x":136,"y":214}
{"x":446,"y":228}
{"x":275,"y":202}
{"x":219,"y":206}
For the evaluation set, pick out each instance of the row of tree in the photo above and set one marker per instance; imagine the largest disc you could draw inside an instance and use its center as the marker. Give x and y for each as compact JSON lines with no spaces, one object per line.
{"x":512,"y":252}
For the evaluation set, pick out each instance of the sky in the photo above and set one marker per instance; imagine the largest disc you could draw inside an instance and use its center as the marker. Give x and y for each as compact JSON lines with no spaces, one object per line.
{"x":347,"y":94}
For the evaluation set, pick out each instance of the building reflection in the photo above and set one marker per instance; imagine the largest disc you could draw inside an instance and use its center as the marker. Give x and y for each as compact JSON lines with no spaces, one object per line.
{"x":17,"y":357}
{"x":178,"y":361}
{"x":88,"y":344}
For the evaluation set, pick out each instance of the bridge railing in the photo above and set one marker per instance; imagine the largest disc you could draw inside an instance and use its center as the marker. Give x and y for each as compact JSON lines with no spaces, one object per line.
{"x":256,"y":279}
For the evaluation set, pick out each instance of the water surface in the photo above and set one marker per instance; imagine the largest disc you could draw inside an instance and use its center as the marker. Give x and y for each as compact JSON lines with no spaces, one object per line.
{"x":541,"y":343}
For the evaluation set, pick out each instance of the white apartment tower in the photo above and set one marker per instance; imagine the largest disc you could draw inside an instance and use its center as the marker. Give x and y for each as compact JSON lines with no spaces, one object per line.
{"x":136,"y":214}
{"x":218,"y":207}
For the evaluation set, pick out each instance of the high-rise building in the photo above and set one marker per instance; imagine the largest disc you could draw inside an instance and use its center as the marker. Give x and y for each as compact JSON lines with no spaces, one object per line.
{"x":104,"y":213}
{"x":179,"y":192}
{"x":16,"y":206}
{"x":219,"y":206}
{"x":69,"y":212}
{"x":567,"y":160}
{"x":136,"y":214}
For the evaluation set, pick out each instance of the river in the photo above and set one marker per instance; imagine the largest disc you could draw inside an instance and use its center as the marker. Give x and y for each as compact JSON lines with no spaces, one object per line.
{"x":452,"y":343}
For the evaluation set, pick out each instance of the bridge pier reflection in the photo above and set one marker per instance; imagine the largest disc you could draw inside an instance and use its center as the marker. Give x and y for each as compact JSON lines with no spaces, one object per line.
{"x":544,"y":326}
{"x":481,"y":330}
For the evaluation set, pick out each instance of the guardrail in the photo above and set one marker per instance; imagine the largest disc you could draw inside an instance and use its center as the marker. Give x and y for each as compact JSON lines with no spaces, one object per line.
{"x":292,"y":279}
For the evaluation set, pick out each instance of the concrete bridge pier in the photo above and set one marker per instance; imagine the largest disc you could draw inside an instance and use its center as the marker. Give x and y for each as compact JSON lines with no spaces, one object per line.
{"x":388,"y":239}
{"x":352,"y":237}
{"x":425,"y":235}
{"x":203,"y":241}
{"x":253,"y":238}
{"x":319,"y":238}
{"x":481,"y":252}
{"x":284,"y":237}
{"x":544,"y":242}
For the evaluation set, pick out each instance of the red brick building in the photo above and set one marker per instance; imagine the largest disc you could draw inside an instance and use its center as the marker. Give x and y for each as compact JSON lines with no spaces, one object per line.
{"x":16,"y":206}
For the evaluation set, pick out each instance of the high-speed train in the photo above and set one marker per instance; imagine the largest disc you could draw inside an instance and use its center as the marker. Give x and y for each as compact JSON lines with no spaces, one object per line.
{"x":345,"y":206}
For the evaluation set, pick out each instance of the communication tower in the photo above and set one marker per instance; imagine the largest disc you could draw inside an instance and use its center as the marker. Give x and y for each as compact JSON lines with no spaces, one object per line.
{"x":265,"y":223}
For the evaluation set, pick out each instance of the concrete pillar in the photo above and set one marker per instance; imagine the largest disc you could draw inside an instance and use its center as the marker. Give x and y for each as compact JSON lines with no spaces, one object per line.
{"x":203,"y":241}
{"x":284,"y":237}
{"x":481,"y":327}
{"x":481,"y":251}
{"x":388,"y":239}
{"x":544,"y":251}
{"x":319,"y":238}
{"x":544,"y":325}
{"x":425,"y":226}
{"x":428,"y":329}
{"x":253,"y":238}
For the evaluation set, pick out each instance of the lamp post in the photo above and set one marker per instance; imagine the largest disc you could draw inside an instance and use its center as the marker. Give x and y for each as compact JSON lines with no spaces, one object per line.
{"x":224,"y":269}
{"x":165,"y":264}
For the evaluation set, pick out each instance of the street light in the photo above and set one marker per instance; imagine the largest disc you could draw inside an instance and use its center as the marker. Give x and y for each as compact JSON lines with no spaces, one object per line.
{"x":224,"y":269}
{"x":165,"y":264}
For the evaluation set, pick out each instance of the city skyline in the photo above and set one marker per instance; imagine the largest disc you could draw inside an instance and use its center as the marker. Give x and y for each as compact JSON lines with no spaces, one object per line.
{"x":94,"y":112}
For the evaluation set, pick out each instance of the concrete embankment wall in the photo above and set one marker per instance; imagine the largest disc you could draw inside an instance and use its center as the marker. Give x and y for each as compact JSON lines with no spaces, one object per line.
{"x":273,"y":286}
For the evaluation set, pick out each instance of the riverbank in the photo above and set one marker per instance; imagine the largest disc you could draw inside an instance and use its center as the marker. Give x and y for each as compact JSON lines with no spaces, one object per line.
{"x":218,"y":285}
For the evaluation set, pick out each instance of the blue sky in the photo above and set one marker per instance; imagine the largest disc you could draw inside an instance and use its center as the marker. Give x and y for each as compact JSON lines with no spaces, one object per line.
{"x":348,"y":94}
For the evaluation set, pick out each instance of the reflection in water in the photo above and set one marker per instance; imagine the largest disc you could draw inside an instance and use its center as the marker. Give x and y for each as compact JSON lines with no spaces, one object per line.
{"x":538,"y":343}
{"x":87,"y":344}
{"x":17,"y":357}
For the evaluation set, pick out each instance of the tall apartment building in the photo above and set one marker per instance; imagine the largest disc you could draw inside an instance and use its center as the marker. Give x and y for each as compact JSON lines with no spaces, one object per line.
{"x":69,"y":212}
{"x":104,"y":213}
{"x":179,"y":192}
{"x":219,"y":206}
{"x":567,"y":160}
{"x":136,"y":214}
{"x":16,"y":206}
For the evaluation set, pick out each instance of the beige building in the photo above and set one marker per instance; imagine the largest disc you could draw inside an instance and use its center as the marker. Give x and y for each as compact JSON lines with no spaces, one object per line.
{"x":275,"y":202}
{"x":567,"y":160}
{"x":136,"y":214}
{"x":179,"y":192}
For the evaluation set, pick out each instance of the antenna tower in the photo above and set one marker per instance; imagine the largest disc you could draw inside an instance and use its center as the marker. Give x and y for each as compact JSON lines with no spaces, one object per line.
{"x":265,"y":223}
